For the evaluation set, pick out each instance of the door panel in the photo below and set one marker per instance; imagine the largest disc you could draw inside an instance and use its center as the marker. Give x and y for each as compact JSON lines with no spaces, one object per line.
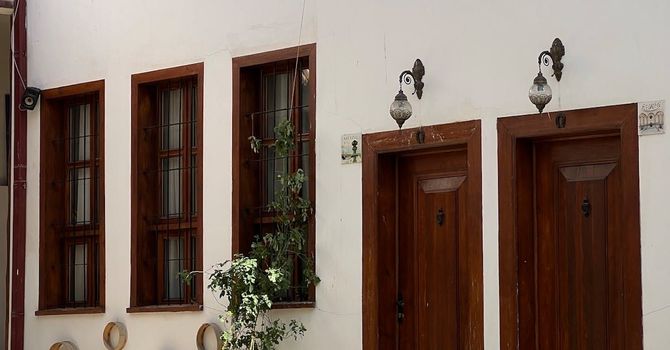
{"x":437,"y":259}
{"x":432,"y":196}
{"x":568,"y":280}
{"x":578,"y":264}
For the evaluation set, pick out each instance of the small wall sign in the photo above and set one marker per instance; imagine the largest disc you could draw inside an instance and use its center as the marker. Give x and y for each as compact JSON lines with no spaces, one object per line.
{"x":650,"y":116}
{"x":351,"y":149}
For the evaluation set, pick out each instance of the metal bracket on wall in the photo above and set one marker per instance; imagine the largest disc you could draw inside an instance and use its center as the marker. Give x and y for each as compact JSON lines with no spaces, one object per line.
{"x":416,"y":73}
{"x":556,"y":53}
{"x":560,"y":120}
{"x":420,"y":136}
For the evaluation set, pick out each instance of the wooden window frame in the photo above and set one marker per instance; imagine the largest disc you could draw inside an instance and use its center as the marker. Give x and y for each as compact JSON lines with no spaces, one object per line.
{"x":241,"y":106}
{"x":512,"y":133}
{"x":53,"y":103}
{"x":467,"y":134}
{"x":7,"y":4}
{"x":194,"y":293}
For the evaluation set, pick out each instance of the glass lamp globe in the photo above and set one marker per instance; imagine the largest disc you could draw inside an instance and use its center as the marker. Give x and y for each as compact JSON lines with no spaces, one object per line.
{"x":400,"y":109}
{"x":540,"y":92}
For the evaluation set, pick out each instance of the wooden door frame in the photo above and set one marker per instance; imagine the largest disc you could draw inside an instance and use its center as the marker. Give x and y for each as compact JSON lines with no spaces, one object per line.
{"x":621,"y":119}
{"x":467,"y":134}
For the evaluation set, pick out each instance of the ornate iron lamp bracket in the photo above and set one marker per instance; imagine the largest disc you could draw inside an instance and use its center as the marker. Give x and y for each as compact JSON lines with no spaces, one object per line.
{"x":555,"y":53}
{"x":416,"y":75}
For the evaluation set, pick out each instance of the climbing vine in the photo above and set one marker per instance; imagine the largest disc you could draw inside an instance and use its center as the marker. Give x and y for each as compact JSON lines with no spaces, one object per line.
{"x":250,"y":282}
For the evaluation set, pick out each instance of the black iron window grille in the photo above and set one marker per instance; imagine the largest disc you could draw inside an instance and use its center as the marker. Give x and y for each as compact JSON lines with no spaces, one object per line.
{"x":79,"y":233}
{"x":284,"y":95}
{"x":174,"y":227}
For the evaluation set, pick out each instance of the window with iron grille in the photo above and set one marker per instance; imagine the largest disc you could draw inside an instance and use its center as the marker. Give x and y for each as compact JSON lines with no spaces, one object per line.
{"x":72,"y":199}
{"x":167,"y":182}
{"x":268,"y":89}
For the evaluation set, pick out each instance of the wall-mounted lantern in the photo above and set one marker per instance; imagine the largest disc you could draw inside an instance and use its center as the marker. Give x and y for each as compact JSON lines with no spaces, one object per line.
{"x":540,"y":92}
{"x":401,"y":109}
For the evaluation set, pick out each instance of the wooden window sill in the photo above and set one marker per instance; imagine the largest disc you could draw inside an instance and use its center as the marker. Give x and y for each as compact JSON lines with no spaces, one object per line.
{"x":164,"y":308}
{"x":293,"y":305}
{"x":71,"y":311}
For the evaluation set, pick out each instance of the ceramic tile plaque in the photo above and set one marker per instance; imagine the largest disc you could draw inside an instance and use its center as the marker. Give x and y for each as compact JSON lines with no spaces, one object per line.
{"x":351,"y":149}
{"x":650,"y":117}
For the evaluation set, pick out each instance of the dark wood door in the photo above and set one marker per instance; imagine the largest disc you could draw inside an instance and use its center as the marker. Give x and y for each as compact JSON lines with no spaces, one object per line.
{"x":432,"y":194}
{"x":578,"y":265}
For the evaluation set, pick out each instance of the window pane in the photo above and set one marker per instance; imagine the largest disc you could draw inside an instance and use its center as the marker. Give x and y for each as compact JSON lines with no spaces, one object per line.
{"x":194,"y":112}
{"x":304,"y":101}
{"x":277,"y":98}
{"x":78,"y":270}
{"x":192,"y":266}
{"x":80,"y":132}
{"x":171,"y":118}
{"x":194,"y":185}
{"x":273,"y":168}
{"x":269,"y":174}
{"x":80,"y":196}
{"x":305,"y":166}
{"x":174,"y":263}
{"x":172,"y":188}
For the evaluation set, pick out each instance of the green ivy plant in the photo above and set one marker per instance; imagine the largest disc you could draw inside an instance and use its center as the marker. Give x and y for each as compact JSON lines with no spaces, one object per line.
{"x":251,"y":282}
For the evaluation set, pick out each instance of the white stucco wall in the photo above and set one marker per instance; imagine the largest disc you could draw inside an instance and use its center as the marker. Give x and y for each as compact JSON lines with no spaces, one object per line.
{"x":480,"y":58}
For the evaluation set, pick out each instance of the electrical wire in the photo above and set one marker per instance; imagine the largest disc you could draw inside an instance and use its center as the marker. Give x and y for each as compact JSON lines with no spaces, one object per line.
{"x":297,"y":54}
{"x":16,"y":66}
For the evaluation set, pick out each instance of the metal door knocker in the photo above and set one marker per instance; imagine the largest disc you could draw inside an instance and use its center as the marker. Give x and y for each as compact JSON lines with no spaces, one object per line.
{"x":586,"y":207}
{"x":400,"y":304}
{"x":440,"y":217}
